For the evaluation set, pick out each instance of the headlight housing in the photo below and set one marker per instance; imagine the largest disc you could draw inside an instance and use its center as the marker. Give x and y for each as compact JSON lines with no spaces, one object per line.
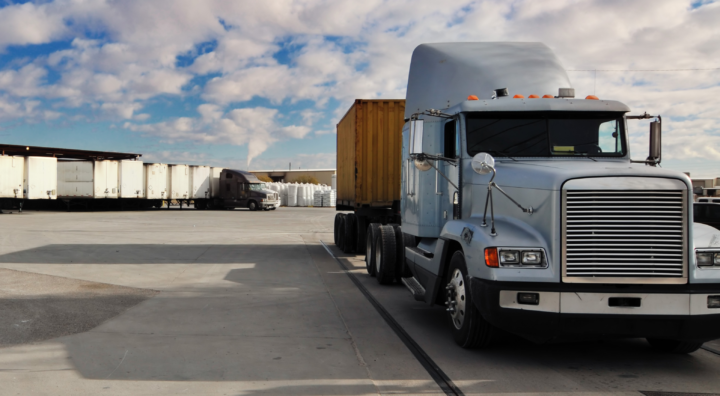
{"x":515,"y":257}
{"x":707,"y":258}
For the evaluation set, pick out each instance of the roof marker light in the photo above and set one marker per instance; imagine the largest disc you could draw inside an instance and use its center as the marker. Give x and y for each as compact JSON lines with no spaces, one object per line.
{"x":518,"y":96}
{"x":548,"y":97}
{"x":472,"y":97}
{"x":533,"y":97}
{"x":591,"y":97}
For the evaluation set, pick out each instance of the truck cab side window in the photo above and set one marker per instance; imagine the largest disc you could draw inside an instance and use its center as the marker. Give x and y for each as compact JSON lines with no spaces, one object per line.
{"x":228,"y":175}
{"x":451,"y":141}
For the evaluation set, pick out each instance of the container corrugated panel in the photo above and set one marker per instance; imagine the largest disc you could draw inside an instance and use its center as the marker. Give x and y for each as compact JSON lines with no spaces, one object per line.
{"x":156,"y":181}
{"x":369,"y":145}
{"x":75,"y":179}
{"x":106,"y":179}
{"x":11,"y":176}
{"x":40,"y":178}
{"x":130,"y":179}
{"x":199,"y":182}
{"x":179,"y":179}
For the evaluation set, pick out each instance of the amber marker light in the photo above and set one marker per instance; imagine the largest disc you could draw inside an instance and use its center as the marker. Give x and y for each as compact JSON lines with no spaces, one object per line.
{"x":548,"y":97}
{"x":533,"y":97}
{"x":472,"y":97}
{"x":591,"y":97}
{"x":518,"y":96}
{"x":491,"y":257}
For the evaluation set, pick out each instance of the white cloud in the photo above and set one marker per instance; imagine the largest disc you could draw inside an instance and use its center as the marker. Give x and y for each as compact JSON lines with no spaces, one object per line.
{"x":315,"y":51}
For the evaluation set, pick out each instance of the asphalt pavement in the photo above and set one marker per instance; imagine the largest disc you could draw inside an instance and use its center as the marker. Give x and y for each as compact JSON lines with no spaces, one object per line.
{"x":244,"y":303}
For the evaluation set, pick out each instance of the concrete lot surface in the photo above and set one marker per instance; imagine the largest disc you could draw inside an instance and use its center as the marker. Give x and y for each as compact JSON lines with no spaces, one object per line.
{"x":252,"y":303}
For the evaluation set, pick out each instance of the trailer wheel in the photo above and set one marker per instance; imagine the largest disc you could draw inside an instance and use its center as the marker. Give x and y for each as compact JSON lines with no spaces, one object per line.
{"x":253,"y":206}
{"x":674,"y":346}
{"x":373,"y":230}
{"x":341,"y":232}
{"x":469,"y":329}
{"x":360,"y":234}
{"x":385,"y":255}
{"x":349,"y":245}
{"x":335,"y":228}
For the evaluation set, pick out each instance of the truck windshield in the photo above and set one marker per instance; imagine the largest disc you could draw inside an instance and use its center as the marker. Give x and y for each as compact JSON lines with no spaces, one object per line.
{"x":546,"y":134}
{"x":257,"y":186}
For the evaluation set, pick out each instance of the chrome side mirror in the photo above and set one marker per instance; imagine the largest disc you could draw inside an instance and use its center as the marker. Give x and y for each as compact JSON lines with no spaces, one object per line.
{"x":483,"y":163}
{"x":416,"y":137}
{"x":655,"y":141}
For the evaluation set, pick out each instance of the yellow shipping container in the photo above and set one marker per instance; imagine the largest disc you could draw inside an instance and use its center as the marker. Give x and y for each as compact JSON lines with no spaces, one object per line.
{"x":369,"y":151}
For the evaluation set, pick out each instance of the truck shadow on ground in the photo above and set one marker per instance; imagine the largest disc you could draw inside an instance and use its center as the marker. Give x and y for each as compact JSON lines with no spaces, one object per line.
{"x":146,"y":254}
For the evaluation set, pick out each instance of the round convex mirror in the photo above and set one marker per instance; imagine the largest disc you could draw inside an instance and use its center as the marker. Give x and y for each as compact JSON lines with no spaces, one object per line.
{"x":483,"y":163}
{"x":423,"y":165}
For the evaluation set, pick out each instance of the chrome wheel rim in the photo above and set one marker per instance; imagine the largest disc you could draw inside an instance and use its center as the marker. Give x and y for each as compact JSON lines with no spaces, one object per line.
{"x":457,"y":298}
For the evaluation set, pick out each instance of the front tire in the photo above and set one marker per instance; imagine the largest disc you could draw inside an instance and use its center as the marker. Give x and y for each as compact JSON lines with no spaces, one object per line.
{"x":253,"y":206}
{"x":674,"y":346}
{"x":469,"y":329}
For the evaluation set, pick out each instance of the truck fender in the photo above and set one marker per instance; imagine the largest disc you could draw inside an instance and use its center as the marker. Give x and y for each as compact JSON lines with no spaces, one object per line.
{"x":473,"y":237}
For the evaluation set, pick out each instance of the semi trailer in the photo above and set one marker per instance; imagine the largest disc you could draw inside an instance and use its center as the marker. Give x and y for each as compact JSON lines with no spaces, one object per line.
{"x":518,"y":207}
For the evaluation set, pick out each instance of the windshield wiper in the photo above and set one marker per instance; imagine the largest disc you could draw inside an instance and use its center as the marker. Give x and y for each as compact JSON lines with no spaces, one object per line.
{"x":585,"y":154}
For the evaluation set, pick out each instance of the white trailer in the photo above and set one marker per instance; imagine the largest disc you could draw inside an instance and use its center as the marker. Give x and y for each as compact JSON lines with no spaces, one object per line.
{"x":87,"y":179}
{"x":199,"y":182}
{"x":75,"y":179}
{"x":178,"y":181}
{"x":156,"y":181}
{"x":130,"y":179}
{"x":215,"y":181}
{"x":40,"y":178}
{"x":11,"y":176}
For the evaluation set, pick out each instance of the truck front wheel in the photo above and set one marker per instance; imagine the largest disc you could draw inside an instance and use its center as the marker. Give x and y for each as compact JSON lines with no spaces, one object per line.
{"x":469,"y":329}
{"x":674,"y":346}
{"x":252,"y":205}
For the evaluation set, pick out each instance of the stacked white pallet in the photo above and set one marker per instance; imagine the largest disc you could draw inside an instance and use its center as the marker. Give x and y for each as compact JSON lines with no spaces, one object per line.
{"x":324,"y":198}
{"x":12,"y":170}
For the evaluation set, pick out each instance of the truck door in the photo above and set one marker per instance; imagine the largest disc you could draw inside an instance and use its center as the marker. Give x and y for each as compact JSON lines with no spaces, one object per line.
{"x":451,"y":149}
{"x":230,"y":190}
{"x":243,"y":191}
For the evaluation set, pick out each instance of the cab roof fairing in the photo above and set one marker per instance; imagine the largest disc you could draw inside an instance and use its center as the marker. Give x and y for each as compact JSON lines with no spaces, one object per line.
{"x":444,"y":74}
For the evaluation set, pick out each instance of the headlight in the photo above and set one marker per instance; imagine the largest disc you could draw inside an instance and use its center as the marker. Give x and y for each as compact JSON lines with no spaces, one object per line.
{"x":707,"y":259}
{"x":521,"y":258}
{"x":509,"y":257}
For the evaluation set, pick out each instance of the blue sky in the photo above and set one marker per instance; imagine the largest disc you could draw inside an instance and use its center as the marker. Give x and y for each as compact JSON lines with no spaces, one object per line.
{"x":231,"y":83}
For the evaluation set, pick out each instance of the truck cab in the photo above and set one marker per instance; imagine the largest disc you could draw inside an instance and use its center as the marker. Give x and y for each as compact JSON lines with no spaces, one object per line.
{"x":241,"y":189}
{"x":523,"y":211}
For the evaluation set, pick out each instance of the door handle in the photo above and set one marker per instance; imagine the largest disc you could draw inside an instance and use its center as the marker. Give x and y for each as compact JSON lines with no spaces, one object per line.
{"x":437,"y":192}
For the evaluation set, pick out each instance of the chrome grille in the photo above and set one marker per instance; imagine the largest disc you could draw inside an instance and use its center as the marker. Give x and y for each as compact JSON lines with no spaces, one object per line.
{"x":630,"y":233}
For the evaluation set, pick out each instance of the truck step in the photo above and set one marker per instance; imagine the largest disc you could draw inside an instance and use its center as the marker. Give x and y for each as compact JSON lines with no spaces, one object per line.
{"x":415,"y":288}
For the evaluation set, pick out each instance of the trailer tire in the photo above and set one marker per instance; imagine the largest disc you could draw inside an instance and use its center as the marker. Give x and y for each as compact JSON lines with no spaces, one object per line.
{"x":336,"y":227}
{"x":674,"y":346}
{"x":371,"y":234}
{"x":385,"y":255}
{"x":341,"y":232}
{"x":469,"y":329}
{"x":349,"y":245}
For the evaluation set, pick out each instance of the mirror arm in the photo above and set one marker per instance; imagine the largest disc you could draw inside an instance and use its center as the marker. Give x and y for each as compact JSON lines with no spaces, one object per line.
{"x":443,"y":175}
{"x":489,"y":200}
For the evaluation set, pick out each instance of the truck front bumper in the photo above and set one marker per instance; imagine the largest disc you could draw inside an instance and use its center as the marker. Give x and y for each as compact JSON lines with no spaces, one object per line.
{"x":270,"y":204}
{"x":578,"y":311}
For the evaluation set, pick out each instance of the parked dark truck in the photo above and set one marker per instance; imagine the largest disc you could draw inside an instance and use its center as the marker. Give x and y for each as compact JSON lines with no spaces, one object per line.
{"x":240,"y":189}
{"x":521,"y":210}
